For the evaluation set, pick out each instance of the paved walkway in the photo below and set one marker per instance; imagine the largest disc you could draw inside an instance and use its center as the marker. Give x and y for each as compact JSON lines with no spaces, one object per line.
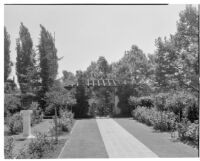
{"x":120,"y":143}
{"x":121,"y":138}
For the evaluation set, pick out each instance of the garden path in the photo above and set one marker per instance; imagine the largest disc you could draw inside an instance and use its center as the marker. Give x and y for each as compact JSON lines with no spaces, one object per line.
{"x":121,"y":138}
{"x":120,"y":143}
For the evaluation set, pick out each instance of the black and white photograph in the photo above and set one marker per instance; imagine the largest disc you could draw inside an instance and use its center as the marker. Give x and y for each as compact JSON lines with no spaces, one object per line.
{"x":100,"y":80}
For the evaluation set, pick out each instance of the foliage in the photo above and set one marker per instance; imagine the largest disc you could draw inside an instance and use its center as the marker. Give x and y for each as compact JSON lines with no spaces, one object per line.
{"x":68,"y":78}
{"x":133,"y":67}
{"x":10,"y":86}
{"x":160,"y":120}
{"x":188,"y":130}
{"x":92,"y":71}
{"x":124,"y":93}
{"x":8,"y":147}
{"x":133,"y":102}
{"x":160,"y":101}
{"x":7,"y":61}
{"x":103,"y":68}
{"x":12,"y":104}
{"x":93,"y":109}
{"x":36,"y":116}
{"x":81,"y":107}
{"x":103,"y":99}
{"x":15,"y":124}
{"x":145,"y":101}
{"x":177,"y":57}
{"x":187,"y":42}
{"x":25,"y":59}
{"x":48,"y":63}
{"x":48,"y":59}
{"x":37,"y":147}
{"x":58,"y":97}
{"x":130,"y":90}
{"x":183,"y":104}
{"x":66,"y":121}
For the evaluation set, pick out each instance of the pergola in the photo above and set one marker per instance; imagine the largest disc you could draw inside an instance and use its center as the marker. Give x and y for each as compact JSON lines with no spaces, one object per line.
{"x":95,"y":83}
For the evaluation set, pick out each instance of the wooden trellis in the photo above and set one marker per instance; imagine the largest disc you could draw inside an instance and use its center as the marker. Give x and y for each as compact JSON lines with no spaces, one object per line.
{"x":95,"y":83}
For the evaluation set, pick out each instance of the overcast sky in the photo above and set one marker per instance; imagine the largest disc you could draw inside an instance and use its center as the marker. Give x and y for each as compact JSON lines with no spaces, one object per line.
{"x":83,"y":33}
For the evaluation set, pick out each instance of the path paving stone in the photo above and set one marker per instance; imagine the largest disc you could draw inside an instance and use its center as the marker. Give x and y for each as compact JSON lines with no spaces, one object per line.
{"x":85,"y":141}
{"x":120,"y":143}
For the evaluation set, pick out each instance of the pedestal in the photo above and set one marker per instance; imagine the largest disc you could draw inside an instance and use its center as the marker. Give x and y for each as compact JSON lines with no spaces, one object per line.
{"x":26,"y":115}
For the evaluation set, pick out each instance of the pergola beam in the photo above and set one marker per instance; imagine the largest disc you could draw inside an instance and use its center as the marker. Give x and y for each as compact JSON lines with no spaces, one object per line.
{"x":104,"y":82}
{"x":99,"y":83}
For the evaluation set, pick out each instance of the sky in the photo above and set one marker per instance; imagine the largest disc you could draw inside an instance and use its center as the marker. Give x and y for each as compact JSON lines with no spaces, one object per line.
{"x":83,"y":33}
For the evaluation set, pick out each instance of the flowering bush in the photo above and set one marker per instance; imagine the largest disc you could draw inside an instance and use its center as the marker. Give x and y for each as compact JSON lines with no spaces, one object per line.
{"x":37,"y":148}
{"x":183,"y":104}
{"x":66,"y":121}
{"x":146,"y":101}
{"x":15,"y":124}
{"x":160,"y":101}
{"x":193,"y":132}
{"x":164,"y":121}
{"x":144,"y":115}
{"x":8,"y":147}
{"x":188,"y":131}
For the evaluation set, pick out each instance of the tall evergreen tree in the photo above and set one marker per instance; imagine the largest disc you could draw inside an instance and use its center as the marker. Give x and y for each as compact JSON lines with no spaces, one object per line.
{"x":48,"y":61}
{"x":81,"y":108}
{"x":25,"y":59}
{"x":7,"y":62}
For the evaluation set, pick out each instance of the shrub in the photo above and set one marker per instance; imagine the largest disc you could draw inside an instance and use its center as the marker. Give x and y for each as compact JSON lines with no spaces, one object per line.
{"x":188,"y":131}
{"x":8,"y":148}
{"x":37,"y":148}
{"x":66,"y":121}
{"x":36,"y":116}
{"x":144,"y":115}
{"x":163,"y":121}
{"x":193,"y":132}
{"x":50,"y":110}
{"x":11,"y":104}
{"x":160,"y":101}
{"x":133,"y":102}
{"x":15,"y":124}
{"x":183,"y":104}
{"x":146,"y":101}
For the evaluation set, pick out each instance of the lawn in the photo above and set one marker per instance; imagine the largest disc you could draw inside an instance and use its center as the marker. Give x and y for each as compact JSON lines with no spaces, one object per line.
{"x":42,"y":127}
